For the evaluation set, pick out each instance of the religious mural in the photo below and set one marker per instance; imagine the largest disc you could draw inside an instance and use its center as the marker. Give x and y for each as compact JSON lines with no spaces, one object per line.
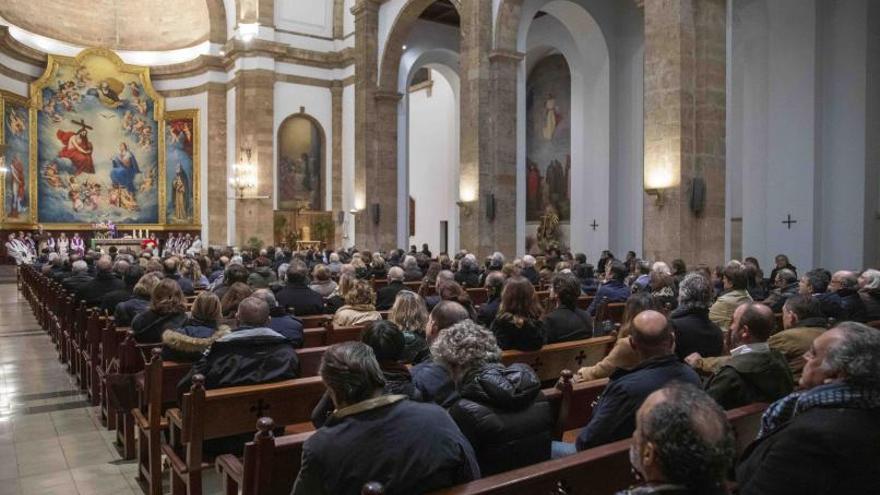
{"x":300,"y":163}
{"x":548,"y":151}
{"x":98,"y":149}
{"x":16,"y":156}
{"x":181,"y":155}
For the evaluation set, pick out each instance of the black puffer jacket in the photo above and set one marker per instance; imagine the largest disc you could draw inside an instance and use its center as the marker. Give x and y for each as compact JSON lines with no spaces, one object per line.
{"x":504,"y":415}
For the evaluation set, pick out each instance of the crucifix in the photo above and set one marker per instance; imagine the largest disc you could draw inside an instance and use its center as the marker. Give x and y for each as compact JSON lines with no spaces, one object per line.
{"x":789,"y":221}
{"x":594,"y":224}
{"x":259,"y":407}
{"x":580,"y":358}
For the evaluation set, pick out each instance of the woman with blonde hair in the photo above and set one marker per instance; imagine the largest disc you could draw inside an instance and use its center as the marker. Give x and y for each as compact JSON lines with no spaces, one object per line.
{"x":167,"y":310}
{"x":201,"y":329}
{"x":359,"y":306}
{"x":410,"y":314}
{"x":191,"y":270}
{"x":622,"y":355}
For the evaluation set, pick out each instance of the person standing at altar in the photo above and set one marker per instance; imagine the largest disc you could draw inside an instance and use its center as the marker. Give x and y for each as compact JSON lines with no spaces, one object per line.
{"x":31,"y":244}
{"x":63,"y":244}
{"x":77,"y":245}
{"x":196,"y":247}
{"x":184,"y":243}
{"x":17,"y":250}
{"x":169,"y":245}
{"x":150,"y":243}
{"x":50,"y":243}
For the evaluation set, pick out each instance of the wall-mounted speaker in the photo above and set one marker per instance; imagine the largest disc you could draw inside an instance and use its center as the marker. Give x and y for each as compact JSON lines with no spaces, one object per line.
{"x":697,"y":200}
{"x":490,"y":207}
{"x":374,"y":211}
{"x":340,"y":217}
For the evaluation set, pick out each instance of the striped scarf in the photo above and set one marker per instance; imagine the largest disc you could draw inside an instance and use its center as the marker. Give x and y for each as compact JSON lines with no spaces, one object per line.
{"x":838,"y":395}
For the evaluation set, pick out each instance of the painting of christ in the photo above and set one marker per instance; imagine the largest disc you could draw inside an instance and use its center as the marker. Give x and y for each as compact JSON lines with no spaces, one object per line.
{"x":15,"y":155}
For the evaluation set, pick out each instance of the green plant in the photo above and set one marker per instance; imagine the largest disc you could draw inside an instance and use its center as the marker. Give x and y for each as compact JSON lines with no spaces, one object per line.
{"x":254,"y":243}
{"x":323,"y":229}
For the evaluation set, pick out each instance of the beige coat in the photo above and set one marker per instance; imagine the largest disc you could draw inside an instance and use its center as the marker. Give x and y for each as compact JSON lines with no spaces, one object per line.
{"x":621,"y":356}
{"x":721,"y":313}
{"x":350,"y":316}
{"x":793,"y":344}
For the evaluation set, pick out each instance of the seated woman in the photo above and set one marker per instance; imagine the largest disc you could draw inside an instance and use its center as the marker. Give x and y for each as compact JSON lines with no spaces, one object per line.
{"x":166,"y":310}
{"x":190,"y":270}
{"x":359,"y":306}
{"x":622,"y":354}
{"x":502,"y":411}
{"x":321,"y":281}
{"x":337,"y":298}
{"x":566,"y":322}
{"x":518,"y":324}
{"x":201,"y":329}
{"x":139,"y":301}
{"x":387,"y":342}
{"x":411,"y":315}
{"x":236,"y":293}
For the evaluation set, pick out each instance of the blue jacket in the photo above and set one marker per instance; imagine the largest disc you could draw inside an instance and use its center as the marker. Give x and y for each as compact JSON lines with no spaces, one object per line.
{"x":434,"y":383}
{"x":614,"y":417}
{"x":614,"y":290}
{"x":291,"y":328}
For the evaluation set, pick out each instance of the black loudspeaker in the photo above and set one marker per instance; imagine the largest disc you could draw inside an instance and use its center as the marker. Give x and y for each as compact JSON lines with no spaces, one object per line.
{"x":698,"y":195}
{"x":490,"y":207}
{"x":340,"y":217}
{"x":374,"y":210}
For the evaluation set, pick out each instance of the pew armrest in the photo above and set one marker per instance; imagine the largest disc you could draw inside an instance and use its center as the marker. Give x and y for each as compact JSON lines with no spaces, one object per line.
{"x":174,"y":417}
{"x":230,"y":466}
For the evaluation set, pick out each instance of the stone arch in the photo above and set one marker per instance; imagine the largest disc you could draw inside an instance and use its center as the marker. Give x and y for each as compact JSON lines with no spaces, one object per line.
{"x":507,"y":23}
{"x":400,"y":29}
{"x":217,"y":21}
{"x":320,"y":162}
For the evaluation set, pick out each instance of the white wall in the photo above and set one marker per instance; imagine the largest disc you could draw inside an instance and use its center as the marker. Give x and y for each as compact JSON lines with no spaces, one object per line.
{"x":433,"y":161}
{"x":312,"y":17}
{"x":348,"y":199}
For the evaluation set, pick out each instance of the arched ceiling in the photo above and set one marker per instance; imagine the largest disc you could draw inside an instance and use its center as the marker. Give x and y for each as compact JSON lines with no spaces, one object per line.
{"x":115,"y":24}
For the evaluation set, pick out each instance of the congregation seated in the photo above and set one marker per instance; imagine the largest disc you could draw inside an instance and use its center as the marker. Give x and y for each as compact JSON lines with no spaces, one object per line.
{"x":130,"y":278}
{"x":662,"y":286}
{"x":378,"y":268}
{"x":753,"y":372}
{"x":683,"y":444}
{"x":825,"y":438}
{"x":468,"y":274}
{"x":104,"y":281}
{"x":815,"y":284}
{"x":786,"y":285}
{"x":803,"y":321}
{"x":262,"y":276}
{"x":321,"y":281}
{"x":613,"y":416}
{"x":452,"y":291}
{"x":869,"y":283}
{"x":613,"y":290}
{"x":433,"y":379}
{"x":528,"y":269}
{"x":139,"y":301}
{"x":166,"y":310}
{"x":171,"y":267}
{"x":411,"y":447}
{"x":296,"y":295}
{"x":781,"y":262}
{"x":235,"y":273}
{"x":587,"y":276}
{"x":359,"y":306}
{"x":235,"y":294}
{"x":280,"y":321}
{"x":386,"y":295}
{"x":411,"y":317}
{"x":78,"y":278}
{"x":518,"y":324}
{"x":411,"y":270}
{"x":734,"y":294}
{"x":192,"y":271}
{"x":443,"y":277}
{"x":622,"y":355}
{"x":694,"y":332}
{"x":566,"y":322}
{"x":188,"y":342}
{"x":489,"y":310}
{"x":500,"y":410}
{"x":845,"y":286}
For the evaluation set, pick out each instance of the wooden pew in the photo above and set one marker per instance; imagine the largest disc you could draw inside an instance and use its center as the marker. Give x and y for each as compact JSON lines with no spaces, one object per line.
{"x":584,"y":301}
{"x":310,"y":360}
{"x":314,"y":321}
{"x":209,"y":414}
{"x":603,"y":470}
{"x":609,"y":311}
{"x":550,"y":360}
{"x":478,"y":295}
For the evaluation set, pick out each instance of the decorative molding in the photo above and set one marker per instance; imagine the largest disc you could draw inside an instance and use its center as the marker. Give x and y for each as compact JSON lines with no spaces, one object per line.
{"x":506,"y":55}
{"x":195,"y":67}
{"x":18,"y":50}
{"x":387,"y":96}
{"x":307,"y":81}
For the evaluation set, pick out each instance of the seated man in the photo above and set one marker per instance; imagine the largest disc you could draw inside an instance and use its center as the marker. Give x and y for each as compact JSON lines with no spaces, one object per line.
{"x":104,"y":282}
{"x":489,"y":310}
{"x":683,"y":444}
{"x":79,"y":278}
{"x":614,"y":290}
{"x":734,"y":293}
{"x":250,"y":355}
{"x":566,"y":322}
{"x":432,"y":379}
{"x":694,"y":331}
{"x":410,"y":447}
{"x":754,"y":372}
{"x":825,"y":438}
{"x":803,"y":321}
{"x":296,"y":295}
{"x":614,"y":415}
{"x":288,"y":326}
{"x":845,"y":285}
{"x":171,"y":267}
{"x":786,"y":283}
{"x":386,"y":295}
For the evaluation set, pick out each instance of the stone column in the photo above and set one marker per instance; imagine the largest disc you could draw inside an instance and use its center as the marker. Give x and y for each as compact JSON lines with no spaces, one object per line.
{"x":366,"y":22}
{"x":218,"y":183}
{"x":254,"y":129}
{"x":488,"y":135}
{"x":684,"y":128}
{"x":336,"y":166}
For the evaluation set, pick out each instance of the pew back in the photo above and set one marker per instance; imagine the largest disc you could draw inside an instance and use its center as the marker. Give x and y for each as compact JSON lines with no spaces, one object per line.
{"x":550,"y":360}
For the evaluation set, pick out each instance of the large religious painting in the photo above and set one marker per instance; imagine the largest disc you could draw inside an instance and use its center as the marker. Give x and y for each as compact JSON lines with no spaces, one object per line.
{"x":300,"y":164}
{"x":548,"y":149}
{"x":181,"y":170}
{"x":98,"y":138}
{"x":15,"y":155}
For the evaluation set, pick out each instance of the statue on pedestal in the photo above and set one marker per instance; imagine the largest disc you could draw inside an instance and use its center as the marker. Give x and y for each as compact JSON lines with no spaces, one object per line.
{"x":548,"y":230}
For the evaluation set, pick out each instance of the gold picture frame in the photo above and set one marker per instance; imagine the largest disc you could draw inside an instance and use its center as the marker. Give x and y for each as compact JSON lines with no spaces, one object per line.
{"x":21,"y":101}
{"x":194,"y":115}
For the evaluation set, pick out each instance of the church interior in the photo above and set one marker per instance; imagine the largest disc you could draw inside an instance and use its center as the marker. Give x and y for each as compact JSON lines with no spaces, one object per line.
{"x":554,"y":198}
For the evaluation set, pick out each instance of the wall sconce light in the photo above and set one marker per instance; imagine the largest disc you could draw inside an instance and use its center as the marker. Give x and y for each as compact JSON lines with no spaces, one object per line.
{"x":374,"y":212}
{"x":490,"y":207}
{"x":244,"y":174}
{"x":659,"y":196}
{"x":465,"y":207}
{"x":248,"y":31}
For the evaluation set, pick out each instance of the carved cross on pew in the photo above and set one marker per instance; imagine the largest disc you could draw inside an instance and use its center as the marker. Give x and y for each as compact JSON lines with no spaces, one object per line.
{"x":536,"y":364}
{"x":788,"y":221}
{"x":580,"y":358}
{"x":594,"y":225}
{"x":260,"y":407}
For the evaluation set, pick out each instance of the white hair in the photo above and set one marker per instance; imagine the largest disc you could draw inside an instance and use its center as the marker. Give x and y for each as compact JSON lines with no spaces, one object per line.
{"x":528,"y":260}
{"x":409,"y":262}
{"x":79,"y":266}
{"x":873,"y":277}
{"x":334,"y":258}
{"x":236,"y":260}
{"x":395,"y":273}
{"x":661,"y":268}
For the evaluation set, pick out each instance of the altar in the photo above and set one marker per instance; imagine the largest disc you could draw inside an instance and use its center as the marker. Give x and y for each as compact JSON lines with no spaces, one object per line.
{"x":130,"y":243}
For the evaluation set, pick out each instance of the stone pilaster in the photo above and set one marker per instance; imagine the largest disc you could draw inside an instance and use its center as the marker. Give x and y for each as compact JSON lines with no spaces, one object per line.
{"x":254,"y":128}
{"x":217,"y":161}
{"x":684,"y":127}
{"x":336,"y":165}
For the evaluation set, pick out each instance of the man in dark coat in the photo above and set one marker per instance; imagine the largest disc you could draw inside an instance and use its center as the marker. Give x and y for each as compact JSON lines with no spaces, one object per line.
{"x":104,"y":282}
{"x":171,"y":266}
{"x":296,"y":295}
{"x":567,"y":322}
{"x":694,"y":331}
{"x":528,"y":269}
{"x":786,"y":286}
{"x":488,"y":310}
{"x":753,"y":372}
{"x":279,"y":320}
{"x":614,"y":290}
{"x":433,"y":379}
{"x":79,"y":278}
{"x":409,"y":446}
{"x":614,"y":415}
{"x":386,"y":295}
{"x":825,"y":438}
{"x":845,"y":286}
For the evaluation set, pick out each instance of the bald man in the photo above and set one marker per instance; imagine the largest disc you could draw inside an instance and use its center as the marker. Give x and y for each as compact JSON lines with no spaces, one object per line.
{"x":844,"y":294}
{"x":614,"y":416}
